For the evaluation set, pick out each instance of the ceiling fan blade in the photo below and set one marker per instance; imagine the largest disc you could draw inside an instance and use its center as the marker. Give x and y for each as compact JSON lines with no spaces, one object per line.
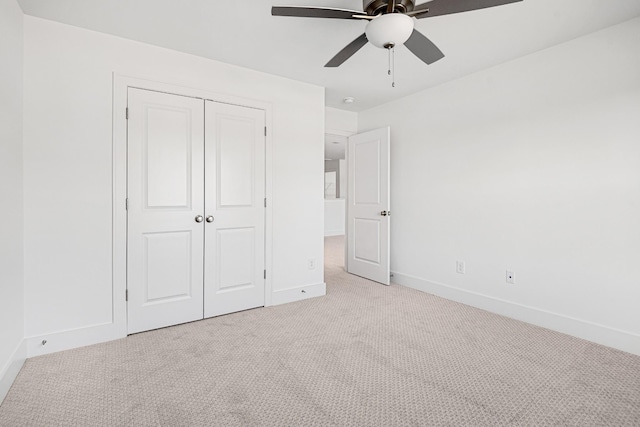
{"x":316,"y":12}
{"x":447,"y":7}
{"x":348,"y":51}
{"x":423,"y":48}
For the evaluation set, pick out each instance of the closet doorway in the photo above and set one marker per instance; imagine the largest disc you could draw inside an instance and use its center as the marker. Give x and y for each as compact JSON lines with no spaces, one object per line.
{"x":195,"y":209}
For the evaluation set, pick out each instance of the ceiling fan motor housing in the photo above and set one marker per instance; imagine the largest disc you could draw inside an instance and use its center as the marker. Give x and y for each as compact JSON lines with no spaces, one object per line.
{"x":389,"y":30}
{"x":375,"y":7}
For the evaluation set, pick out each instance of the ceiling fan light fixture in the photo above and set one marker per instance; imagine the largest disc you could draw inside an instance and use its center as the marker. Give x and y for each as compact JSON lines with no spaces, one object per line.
{"x":389,"y":30}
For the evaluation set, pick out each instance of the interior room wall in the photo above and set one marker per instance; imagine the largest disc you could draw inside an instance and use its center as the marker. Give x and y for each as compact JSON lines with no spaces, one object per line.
{"x":340,"y":121}
{"x":342,"y":172}
{"x":532,"y":166}
{"x":11,"y":237}
{"x":334,"y":217}
{"x":334,"y":209}
{"x":337,"y":167}
{"x":68,"y":74}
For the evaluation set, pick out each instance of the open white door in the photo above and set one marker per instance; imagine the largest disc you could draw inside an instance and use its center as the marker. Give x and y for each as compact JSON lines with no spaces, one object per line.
{"x":165,"y":209}
{"x":368,"y":205}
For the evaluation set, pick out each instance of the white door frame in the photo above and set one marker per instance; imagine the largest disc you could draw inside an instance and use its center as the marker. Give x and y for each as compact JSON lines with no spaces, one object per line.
{"x":121,"y":84}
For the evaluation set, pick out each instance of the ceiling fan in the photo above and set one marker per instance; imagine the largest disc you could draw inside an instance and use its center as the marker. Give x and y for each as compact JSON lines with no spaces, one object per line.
{"x":390,"y":23}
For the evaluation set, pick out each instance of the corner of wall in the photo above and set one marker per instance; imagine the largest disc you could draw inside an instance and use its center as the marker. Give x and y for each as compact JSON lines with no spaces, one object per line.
{"x":11,"y":369}
{"x":12,"y":348}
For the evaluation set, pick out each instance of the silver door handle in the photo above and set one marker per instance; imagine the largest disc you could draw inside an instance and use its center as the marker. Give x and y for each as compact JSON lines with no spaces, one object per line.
{"x":385,"y":213}
{"x":199,"y":218}
{"x":209,"y":218}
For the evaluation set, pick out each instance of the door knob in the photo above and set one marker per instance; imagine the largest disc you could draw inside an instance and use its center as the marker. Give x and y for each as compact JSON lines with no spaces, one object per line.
{"x":385,"y":213}
{"x":199,"y":218}
{"x":209,"y":218}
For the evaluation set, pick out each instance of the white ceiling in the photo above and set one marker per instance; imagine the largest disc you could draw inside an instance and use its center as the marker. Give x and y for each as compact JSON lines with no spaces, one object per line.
{"x":244,"y":33}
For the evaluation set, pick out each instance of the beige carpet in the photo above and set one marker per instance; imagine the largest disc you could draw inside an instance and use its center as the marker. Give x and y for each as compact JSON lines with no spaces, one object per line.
{"x":364,"y":355}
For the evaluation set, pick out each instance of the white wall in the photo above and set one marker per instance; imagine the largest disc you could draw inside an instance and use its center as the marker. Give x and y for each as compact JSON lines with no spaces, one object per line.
{"x":334,"y":217}
{"x":342,"y":169}
{"x":533,"y":166}
{"x":334,"y":209}
{"x":11,"y":236}
{"x":340,"y":121}
{"x":68,"y":167}
{"x":339,"y":167}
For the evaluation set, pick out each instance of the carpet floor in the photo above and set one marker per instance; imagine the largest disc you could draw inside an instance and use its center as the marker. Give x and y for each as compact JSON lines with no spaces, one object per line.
{"x":363,"y":355}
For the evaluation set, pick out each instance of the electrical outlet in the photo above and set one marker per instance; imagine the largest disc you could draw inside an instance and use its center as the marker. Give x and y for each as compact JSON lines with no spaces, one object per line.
{"x":311,"y":263}
{"x":511,"y":277}
{"x":460,"y":267}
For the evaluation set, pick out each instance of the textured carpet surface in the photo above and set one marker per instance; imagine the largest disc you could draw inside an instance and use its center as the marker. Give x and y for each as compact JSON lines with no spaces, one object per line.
{"x":363,"y":355}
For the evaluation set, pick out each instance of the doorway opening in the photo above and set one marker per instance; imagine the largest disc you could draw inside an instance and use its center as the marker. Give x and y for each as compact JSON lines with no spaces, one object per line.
{"x":335,"y":193}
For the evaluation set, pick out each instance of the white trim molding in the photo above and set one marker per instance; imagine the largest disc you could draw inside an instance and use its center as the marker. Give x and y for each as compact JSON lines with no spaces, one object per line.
{"x":72,"y":338}
{"x":600,"y":334}
{"x":11,"y":369}
{"x":299,"y":293}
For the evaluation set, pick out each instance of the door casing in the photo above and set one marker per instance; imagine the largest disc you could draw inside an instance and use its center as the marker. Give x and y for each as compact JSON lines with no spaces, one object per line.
{"x":121,"y":84}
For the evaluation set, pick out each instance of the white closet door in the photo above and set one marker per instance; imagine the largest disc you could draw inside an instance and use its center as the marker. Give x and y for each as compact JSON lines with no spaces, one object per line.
{"x":165,"y":198}
{"x":368,"y":205}
{"x":235,"y":212}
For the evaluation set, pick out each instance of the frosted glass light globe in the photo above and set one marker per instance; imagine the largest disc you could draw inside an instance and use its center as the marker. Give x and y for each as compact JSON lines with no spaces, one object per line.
{"x":390,"y":29}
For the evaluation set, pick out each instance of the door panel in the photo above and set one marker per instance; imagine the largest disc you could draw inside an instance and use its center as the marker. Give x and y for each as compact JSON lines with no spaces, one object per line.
{"x":235,"y":160}
{"x":165,"y":194}
{"x":235,"y":191}
{"x":236,"y":247}
{"x":167,"y":266}
{"x":367,"y":245}
{"x":167,"y":150}
{"x":368,"y":197}
{"x":367,"y":172}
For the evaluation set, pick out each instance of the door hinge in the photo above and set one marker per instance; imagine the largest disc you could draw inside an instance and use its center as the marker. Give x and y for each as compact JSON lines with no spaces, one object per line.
{"x":126,"y":204}
{"x":265,"y":131}
{"x":126,"y":295}
{"x":265,"y":202}
{"x":127,"y":113}
{"x":265,"y":274}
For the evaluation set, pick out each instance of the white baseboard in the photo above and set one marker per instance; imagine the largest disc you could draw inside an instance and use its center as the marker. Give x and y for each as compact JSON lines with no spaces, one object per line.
{"x":330,"y":233}
{"x":594,"y":332}
{"x":11,"y":369}
{"x":74,"y":338}
{"x":299,"y":293}
{"x":66,"y":340}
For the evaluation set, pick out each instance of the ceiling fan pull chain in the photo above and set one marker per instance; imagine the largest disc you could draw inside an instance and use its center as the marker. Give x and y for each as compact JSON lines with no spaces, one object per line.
{"x":389,"y":62}
{"x":392,"y":64}
{"x":393,"y":67}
